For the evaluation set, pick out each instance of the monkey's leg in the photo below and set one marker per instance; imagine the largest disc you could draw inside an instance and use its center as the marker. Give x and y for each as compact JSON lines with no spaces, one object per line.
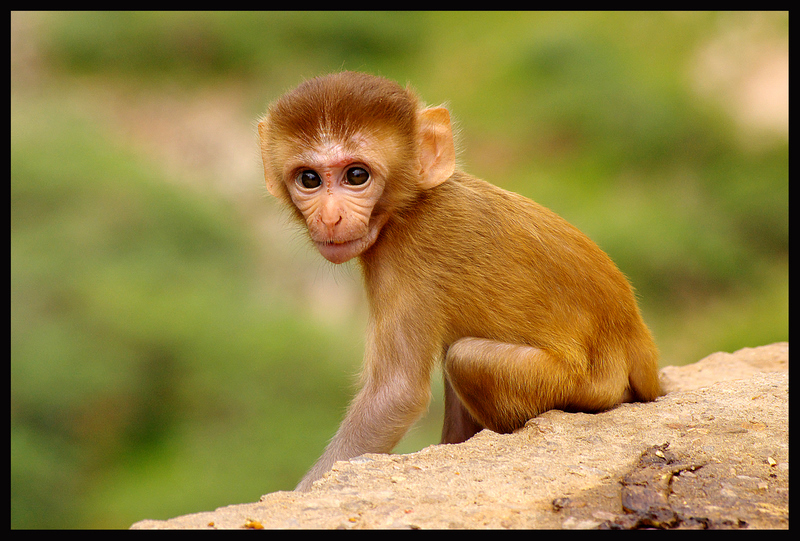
{"x":459,"y":425}
{"x":503,"y":385}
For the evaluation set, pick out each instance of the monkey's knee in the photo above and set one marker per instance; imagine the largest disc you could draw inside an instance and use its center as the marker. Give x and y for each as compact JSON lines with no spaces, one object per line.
{"x":479,"y":373}
{"x":459,"y":361}
{"x":468,"y":368}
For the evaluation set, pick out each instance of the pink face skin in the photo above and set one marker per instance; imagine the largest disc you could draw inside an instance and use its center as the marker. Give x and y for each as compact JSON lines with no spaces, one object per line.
{"x":335,"y":183}
{"x":336,"y":189}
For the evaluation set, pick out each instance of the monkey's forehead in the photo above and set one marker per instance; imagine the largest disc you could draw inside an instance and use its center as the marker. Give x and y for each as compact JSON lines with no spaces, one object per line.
{"x":330,"y":152}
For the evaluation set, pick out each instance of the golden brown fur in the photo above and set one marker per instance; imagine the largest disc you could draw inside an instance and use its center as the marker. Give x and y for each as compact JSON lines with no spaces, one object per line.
{"x":481,"y":262}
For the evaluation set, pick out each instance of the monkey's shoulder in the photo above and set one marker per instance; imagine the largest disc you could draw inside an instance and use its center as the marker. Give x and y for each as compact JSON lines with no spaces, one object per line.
{"x":464,"y":198}
{"x":481,"y":218}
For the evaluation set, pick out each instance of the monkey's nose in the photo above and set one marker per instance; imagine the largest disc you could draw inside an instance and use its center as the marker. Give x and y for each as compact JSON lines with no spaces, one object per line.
{"x":331,"y":214}
{"x":331,"y":220}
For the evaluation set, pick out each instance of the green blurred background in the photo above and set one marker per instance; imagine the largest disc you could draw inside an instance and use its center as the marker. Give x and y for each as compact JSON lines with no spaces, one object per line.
{"x":176,"y":345}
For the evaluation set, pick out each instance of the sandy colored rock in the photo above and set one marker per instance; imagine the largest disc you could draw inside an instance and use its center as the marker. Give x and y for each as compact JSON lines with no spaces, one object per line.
{"x":712,"y":453}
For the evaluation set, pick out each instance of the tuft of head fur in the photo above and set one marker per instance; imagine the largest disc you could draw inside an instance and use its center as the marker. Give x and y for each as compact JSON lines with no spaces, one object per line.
{"x":341,"y":104}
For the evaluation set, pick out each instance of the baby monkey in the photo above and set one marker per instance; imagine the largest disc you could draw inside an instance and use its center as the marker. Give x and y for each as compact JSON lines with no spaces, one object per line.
{"x":525,"y":313}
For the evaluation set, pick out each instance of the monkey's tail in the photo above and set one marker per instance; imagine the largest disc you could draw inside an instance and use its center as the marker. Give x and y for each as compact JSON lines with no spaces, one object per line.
{"x":643,"y":375}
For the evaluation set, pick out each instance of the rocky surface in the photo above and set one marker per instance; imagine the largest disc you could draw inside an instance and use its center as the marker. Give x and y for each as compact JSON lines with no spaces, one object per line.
{"x":712,"y":453}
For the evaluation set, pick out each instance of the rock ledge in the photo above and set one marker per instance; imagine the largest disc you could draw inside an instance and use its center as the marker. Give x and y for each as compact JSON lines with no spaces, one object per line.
{"x":712,"y":453}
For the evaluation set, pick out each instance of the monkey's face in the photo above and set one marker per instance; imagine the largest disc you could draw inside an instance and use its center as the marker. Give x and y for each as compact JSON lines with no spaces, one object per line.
{"x":349,"y":150}
{"x":335,"y":187}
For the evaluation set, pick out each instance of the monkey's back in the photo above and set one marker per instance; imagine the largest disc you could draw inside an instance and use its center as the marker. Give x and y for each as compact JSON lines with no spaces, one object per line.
{"x":490,"y":263}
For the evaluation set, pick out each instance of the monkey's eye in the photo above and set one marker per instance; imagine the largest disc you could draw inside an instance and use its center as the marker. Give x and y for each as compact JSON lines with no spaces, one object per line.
{"x":309,"y":179}
{"x":356,"y":176}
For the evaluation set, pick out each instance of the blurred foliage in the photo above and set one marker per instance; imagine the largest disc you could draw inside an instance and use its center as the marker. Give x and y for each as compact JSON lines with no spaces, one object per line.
{"x":132,"y":324}
{"x":161,"y":359}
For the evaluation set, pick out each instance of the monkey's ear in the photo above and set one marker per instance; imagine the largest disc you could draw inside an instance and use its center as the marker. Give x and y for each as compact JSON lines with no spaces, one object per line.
{"x":437,"y":153}
{"x":273,"y":183}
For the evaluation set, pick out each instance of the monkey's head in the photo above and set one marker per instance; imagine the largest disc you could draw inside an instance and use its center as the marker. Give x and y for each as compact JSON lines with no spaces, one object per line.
{"x":348,"y":150}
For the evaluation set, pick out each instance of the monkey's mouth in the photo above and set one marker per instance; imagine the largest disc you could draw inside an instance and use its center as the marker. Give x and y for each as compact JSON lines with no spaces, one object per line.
{"x":338,"y":242}
{"x":339,"y":251}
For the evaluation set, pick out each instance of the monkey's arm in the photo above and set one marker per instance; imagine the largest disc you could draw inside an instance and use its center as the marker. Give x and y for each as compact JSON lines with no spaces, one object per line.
{"x":392,"y":397}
